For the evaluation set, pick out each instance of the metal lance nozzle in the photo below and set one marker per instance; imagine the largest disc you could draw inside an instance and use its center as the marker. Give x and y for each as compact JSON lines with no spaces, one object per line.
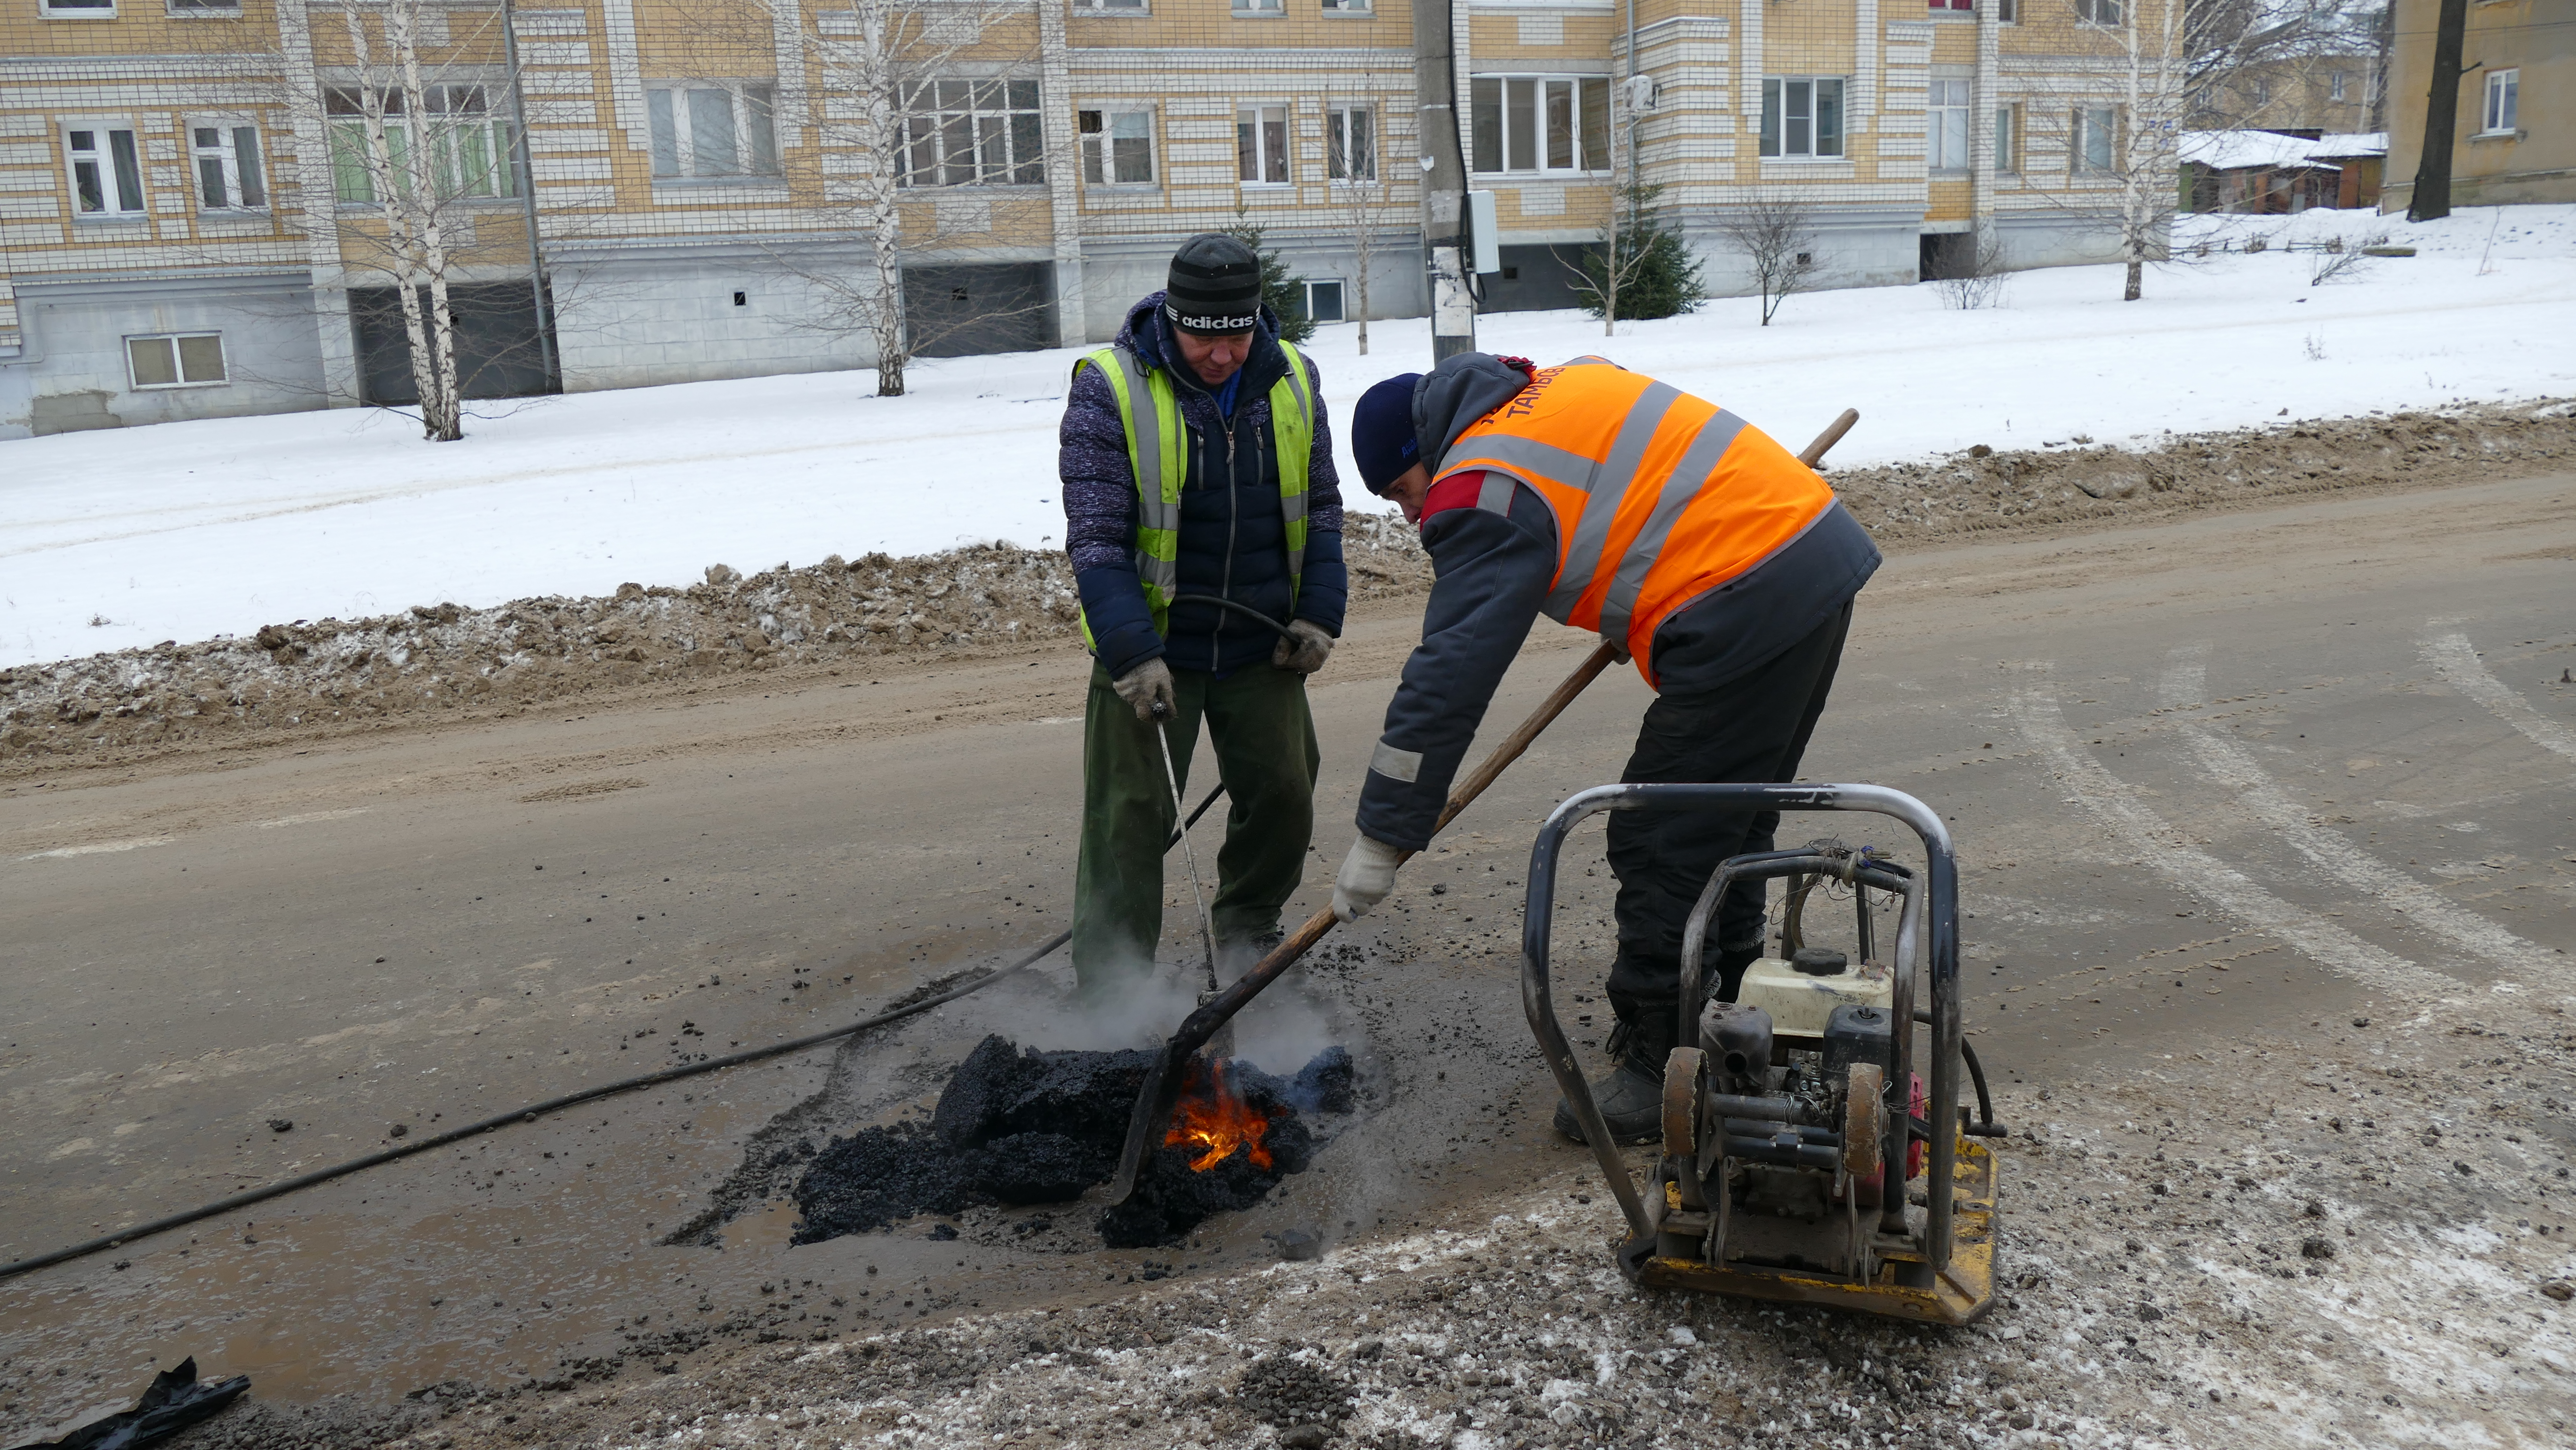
{"x":1198,"y":898}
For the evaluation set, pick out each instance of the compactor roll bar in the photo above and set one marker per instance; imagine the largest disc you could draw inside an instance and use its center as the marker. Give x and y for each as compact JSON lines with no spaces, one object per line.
{"x":1939,"y":942}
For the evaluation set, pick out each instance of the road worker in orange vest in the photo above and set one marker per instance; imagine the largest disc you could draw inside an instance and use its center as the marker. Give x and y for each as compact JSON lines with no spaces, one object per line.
{"x":1721,"y":564}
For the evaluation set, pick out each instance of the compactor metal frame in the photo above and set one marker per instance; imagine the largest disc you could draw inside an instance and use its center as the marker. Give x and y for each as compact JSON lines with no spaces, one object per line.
{"x":1938,"y":1268}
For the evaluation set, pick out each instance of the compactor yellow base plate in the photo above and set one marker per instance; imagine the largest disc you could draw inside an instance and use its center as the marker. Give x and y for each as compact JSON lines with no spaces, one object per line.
{"x":1957,"y":1294}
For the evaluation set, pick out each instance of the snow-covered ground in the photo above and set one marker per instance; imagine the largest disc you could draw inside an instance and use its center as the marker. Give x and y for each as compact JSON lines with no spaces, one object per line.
{"x":188,"y":530}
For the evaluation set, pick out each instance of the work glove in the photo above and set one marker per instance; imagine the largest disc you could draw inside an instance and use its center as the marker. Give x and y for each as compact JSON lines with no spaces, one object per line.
{"x":1368,"y":874}
{"x":1304,"y":650}
{"x":1148,"y":687}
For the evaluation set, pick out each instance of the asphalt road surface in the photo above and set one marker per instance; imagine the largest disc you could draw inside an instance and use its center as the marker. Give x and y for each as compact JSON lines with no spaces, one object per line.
{"x":2234,"y":772}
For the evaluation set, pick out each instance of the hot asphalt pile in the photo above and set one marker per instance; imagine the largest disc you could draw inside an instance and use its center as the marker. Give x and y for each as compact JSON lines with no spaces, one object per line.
{"x":2354,"y":1237}
{"x":1019,"y":1127}
{"x":305,"y":678}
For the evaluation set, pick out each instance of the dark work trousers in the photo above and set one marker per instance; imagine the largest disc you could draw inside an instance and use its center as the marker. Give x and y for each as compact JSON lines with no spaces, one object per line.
{"x":1267,"y":757}
{"x":1754,"y":728}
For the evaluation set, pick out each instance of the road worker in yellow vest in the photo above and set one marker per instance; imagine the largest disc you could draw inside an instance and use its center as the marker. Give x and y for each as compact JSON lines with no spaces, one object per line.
{"x":1722,"y":565}
{"x":1204,"y":520}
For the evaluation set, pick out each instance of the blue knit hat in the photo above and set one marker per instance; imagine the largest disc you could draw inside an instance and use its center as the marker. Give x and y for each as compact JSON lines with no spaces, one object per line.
{"x":1382,"y":438}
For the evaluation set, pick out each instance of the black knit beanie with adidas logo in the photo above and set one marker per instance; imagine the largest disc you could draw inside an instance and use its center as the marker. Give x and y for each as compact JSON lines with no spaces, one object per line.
{"x":1215,"y":286}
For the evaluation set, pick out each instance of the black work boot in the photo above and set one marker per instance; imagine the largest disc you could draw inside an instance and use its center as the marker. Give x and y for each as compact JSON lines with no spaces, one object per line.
{"x":1631,"y":1095}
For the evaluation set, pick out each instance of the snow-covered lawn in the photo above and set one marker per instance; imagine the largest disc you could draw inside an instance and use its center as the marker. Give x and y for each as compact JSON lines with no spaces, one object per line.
{"x":188,"y":530}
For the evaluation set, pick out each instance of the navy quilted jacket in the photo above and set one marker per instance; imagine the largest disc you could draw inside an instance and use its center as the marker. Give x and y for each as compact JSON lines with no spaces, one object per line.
{"x":1233,"y":541}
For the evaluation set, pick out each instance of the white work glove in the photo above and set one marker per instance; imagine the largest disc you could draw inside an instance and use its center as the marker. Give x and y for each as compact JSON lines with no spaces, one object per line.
{"x":1368,"y":874}
{"x":1147,"y":686}
{"x":1305,"y":653}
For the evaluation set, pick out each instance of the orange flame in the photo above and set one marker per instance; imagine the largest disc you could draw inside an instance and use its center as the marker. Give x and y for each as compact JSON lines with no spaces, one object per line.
{"x":1215,"y":1118}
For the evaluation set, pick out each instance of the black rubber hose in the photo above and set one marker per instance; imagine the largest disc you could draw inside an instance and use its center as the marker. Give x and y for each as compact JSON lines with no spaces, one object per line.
{"x":1246,"y":610}
{"x":1985,"y":1126}
{"x":535,"y":1111}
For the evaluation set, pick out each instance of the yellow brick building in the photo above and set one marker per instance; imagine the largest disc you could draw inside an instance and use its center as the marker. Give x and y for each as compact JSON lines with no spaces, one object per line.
{"x":188,"y":228}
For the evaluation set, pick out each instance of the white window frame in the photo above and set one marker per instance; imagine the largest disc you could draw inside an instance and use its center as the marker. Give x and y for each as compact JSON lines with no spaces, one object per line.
{"x":2008,"y":139}
{"x":1100,"y":152}
{"x":452,"y":140}
{"x":225,"y":155}
{"x":1260,"y":9}
{"x":2007,"y":12}
{"x":1340,"y":130}
{"x":670,"y":121}
{"x":1773,"y":134}
{"x":1349,"y":7}
{"x":193,"y":9}
{"x":1260,"y":149}
{"x":1506,"y":96}
{"x":2090,"y":121}
{"x":1949,"y":105}
{"x":2500,"y":105}
{"x":956,"y":123}
{"x":1952,"y":9}
{"x":178,"y":362}
{"x":76,"y":9}
{"x":2338,"y":83}
{"x":101,"y":154}
{"x":2106,"y":13}
{"x":1341,"y":299}
{"x":1114,"y":7}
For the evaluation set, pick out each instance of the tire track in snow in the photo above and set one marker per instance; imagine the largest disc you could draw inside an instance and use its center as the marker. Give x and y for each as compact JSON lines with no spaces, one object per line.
{"x":2185,"y":683}
{"x":2116,"y":804}
{"x":2457,"y":659}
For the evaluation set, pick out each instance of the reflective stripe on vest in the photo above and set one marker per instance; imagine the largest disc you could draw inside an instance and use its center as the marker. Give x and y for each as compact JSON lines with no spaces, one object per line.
{"x":1659,"y":497}
{"x":1157,"y":443}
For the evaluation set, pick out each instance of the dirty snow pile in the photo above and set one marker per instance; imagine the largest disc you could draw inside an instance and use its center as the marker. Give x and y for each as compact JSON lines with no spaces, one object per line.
{"x":186,"y":531}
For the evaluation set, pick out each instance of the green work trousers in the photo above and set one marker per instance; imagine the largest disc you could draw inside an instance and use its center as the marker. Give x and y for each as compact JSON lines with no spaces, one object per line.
{"x":1267,"y":757}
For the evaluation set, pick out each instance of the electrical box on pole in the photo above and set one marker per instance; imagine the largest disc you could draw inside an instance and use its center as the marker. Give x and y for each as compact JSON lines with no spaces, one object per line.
{"x":1483,"y":231}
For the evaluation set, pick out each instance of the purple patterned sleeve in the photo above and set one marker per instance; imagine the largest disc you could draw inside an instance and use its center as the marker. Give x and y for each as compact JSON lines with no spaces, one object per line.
{"x":1099,"y":483}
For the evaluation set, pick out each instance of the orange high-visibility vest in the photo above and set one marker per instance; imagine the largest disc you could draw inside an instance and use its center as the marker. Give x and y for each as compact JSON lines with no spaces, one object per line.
{"x":1660,"y":497}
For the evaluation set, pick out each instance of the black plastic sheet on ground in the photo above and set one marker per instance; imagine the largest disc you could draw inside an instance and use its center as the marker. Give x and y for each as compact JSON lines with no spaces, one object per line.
{"x":173,"y":1403}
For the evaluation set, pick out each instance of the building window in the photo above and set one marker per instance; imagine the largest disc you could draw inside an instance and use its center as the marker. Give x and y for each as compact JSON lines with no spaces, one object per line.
{"x":1802,"y":117}
{"x":176,"y":360}
{"x":228,"y":169}
{"x":1945,"y":126}
{"x":2262,"y":91}
{"x":2504,"y":98}
{"x":1961,"y":7}
{"x":1124,"y":7}
{"x":2008,"y":138}
{"x":974,"y":133}
{"x":460,"y":149}
{"x":2094,"y":127}
{"x":205,"y":7}
{"x":1260,"y":7}
{"x":1348,"y":7}
{"x":2336,"y":84}
{"x":1117,"y":147}
{"x":1324,"y":301}
{"x":2005,"y":10}
{"x":1541,"y":123}
{"x":712,"y":131}
{"x":2098,"y":12}
{"x":79,"y":9}
{"x":107,"y":172}
{"x":1350,"y":143}
{"x":1261,"y":145}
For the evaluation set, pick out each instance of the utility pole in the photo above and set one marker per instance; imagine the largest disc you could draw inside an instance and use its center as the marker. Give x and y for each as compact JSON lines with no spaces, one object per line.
{"x":1444,"y":180}
{"x":525,"y":165}
{"x":2431,"y":199}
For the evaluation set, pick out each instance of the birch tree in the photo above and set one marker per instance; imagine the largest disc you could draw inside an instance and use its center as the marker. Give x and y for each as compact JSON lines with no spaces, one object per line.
{"x":409,"y":180}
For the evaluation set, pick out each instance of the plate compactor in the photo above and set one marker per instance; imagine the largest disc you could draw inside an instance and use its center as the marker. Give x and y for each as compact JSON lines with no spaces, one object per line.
{"x":1793,"y":1162}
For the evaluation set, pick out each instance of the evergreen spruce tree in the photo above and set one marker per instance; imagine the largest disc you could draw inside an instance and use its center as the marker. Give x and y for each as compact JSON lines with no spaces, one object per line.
{"x":1658,"y":276}
{"x":1283,"y":294}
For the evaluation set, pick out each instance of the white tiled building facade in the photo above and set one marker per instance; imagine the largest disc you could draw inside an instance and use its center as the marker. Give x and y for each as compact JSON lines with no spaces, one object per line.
{"x":178,"y":240}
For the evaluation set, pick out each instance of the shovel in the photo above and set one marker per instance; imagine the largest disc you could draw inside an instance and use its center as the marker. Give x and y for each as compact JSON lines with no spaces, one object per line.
{"x":1161,"y":1091}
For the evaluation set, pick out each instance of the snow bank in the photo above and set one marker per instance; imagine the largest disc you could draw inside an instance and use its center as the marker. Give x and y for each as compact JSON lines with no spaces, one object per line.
{"x":188,"y":530}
